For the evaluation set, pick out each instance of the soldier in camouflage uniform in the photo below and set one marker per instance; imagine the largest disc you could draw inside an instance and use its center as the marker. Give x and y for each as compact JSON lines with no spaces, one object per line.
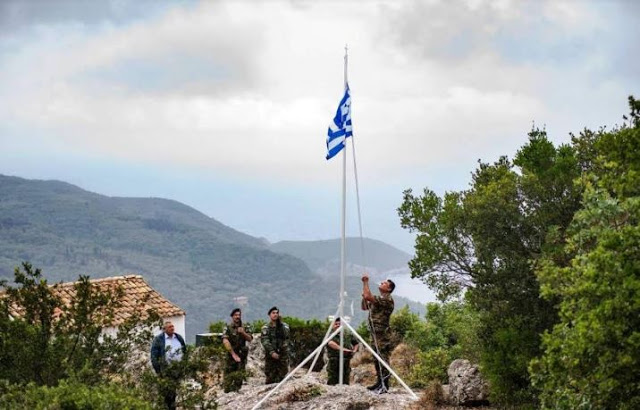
{"x":380,"y":309}
{"x":275,"y":340}
{"x":235,"y":338}
{"x":333,"y":352}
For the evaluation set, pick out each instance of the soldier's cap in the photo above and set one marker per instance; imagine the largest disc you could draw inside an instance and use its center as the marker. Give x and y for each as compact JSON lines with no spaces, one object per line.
{"x":272,"y":309}
{"x":233,"y":312}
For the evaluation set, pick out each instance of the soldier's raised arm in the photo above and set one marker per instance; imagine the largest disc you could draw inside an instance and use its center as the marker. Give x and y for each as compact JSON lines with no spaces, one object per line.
{"x":366,"y":292}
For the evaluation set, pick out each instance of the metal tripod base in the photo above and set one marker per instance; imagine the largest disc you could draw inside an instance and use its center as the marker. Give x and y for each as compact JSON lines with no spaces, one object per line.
{"x":317,"y":352}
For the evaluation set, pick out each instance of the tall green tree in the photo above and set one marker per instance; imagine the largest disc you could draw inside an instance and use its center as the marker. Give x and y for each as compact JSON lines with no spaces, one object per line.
{"x":591,"y":356}
{"x":44,"y":339}
{"x":486,"y":241}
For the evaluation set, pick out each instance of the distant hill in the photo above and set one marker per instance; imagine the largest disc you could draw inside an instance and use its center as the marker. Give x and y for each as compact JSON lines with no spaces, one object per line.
{"x":194,"y":260}
{"x":323,"y":257}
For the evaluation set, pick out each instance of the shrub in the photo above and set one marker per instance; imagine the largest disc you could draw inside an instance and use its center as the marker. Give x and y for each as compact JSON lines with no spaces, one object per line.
{"x":68,"y":395}
{"x":306,"y":336}
{"x":432,"y":366}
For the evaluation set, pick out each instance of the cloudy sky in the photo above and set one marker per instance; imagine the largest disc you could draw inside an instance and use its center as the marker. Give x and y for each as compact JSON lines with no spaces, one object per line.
{"x":224,"y":105}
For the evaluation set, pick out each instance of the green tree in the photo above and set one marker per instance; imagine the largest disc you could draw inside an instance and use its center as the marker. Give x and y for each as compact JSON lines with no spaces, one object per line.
{"x":45,"y":339}
{"x":486,"y":241}
{"x":591,"y":356}
{"x":57,"y":353}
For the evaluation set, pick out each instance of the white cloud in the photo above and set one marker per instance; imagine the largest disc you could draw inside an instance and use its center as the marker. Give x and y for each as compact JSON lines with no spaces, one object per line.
{"x":248,"y":88}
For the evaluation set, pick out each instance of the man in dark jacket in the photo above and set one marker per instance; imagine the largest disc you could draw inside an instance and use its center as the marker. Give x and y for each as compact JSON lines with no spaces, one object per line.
{"x":167,"y":347}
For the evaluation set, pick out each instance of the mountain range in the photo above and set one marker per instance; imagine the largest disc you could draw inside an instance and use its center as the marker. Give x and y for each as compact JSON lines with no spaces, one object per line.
{"x":194,"y":260}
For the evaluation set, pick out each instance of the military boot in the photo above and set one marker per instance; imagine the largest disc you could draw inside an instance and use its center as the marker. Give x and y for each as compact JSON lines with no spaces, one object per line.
{"x":384,"y":385}
{"x":375,"y":386}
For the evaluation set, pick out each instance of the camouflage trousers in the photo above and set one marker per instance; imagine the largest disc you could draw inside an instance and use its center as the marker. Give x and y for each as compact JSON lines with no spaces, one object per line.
{"x":333,"y":370}
{"x":276,"y":370}
{"x":382,"y":341}
{"x":234,"y":373}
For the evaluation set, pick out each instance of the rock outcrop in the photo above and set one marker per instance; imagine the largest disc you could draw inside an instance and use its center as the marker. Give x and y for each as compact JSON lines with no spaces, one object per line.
{"x":467,"y":387}
{"x":310,"y":392}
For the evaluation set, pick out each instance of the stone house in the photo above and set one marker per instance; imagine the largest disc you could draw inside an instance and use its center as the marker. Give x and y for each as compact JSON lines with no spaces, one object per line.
{"x":137,"y":296}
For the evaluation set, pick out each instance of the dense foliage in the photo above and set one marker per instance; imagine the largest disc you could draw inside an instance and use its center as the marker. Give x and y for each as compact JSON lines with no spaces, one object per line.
{"x":591,"y":356}
{"x":448,"y":333}
{"x":497,"y":240}
{"x":71,"y":395}
{"x":58,"y":352}
{"x":44,"y":340}
{"x":484,"y":240}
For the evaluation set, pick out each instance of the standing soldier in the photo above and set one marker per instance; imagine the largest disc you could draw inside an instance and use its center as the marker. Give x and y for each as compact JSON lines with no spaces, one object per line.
{"x":348,"y":347}
{"x":235,"y":338}
{"x":380,"y":309}
{"x":275,"y":340}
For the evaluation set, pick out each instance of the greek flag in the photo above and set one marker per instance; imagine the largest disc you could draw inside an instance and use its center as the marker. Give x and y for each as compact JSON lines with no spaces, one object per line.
{"x":340,"y":127}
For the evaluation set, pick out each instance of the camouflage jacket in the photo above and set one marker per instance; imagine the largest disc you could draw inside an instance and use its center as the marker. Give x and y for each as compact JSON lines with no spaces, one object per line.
{"x":381,"y":310}
{"x":238,"y":343}
{"x":348,"y":343}
{"x":272,"y":342}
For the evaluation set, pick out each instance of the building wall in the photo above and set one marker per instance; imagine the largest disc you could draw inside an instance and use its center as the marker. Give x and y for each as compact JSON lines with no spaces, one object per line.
{"x":178,"y":323}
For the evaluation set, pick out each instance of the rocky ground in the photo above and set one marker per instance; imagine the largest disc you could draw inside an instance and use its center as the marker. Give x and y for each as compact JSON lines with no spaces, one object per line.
{"x":310,"y":391}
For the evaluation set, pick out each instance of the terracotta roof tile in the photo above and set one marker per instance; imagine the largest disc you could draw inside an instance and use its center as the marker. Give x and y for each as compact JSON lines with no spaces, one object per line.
{"x":135,"y":289}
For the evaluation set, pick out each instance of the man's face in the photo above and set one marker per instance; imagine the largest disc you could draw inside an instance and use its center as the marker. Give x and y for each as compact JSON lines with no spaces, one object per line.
{"x":384,"y":287}
{"x":274,"y":315}
{"x":236,"y":317}
{"x":169,"y":328}
{"x":336,"y":325}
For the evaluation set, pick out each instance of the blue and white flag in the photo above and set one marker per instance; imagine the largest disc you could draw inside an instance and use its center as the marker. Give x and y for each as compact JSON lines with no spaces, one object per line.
{"x":340,"y":127}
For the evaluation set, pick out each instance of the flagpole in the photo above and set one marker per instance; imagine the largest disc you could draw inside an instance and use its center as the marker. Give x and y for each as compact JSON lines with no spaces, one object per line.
{"x":343,"y":241}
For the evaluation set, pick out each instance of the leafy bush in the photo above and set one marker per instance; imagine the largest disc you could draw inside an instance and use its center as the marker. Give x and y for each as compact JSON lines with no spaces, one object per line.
{"x":306,"y":336}
{"x":256,"y":325}
{"x":217,"y":327}
{"x":432,"y":366}
{"x":68,"y":395}
{"x":363,"y":330}
{"x":449,"y":333}
{"x":403,"y":321}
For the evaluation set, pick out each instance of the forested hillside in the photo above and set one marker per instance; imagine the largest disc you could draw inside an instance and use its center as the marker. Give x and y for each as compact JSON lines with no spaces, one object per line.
{"x":192,"y":259}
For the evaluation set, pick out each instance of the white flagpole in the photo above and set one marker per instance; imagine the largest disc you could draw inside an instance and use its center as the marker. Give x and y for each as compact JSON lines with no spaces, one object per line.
{"x":343,"y":241}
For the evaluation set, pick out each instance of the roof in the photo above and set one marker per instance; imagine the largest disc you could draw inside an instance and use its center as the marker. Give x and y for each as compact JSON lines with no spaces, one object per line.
{"x":135,"y":290}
